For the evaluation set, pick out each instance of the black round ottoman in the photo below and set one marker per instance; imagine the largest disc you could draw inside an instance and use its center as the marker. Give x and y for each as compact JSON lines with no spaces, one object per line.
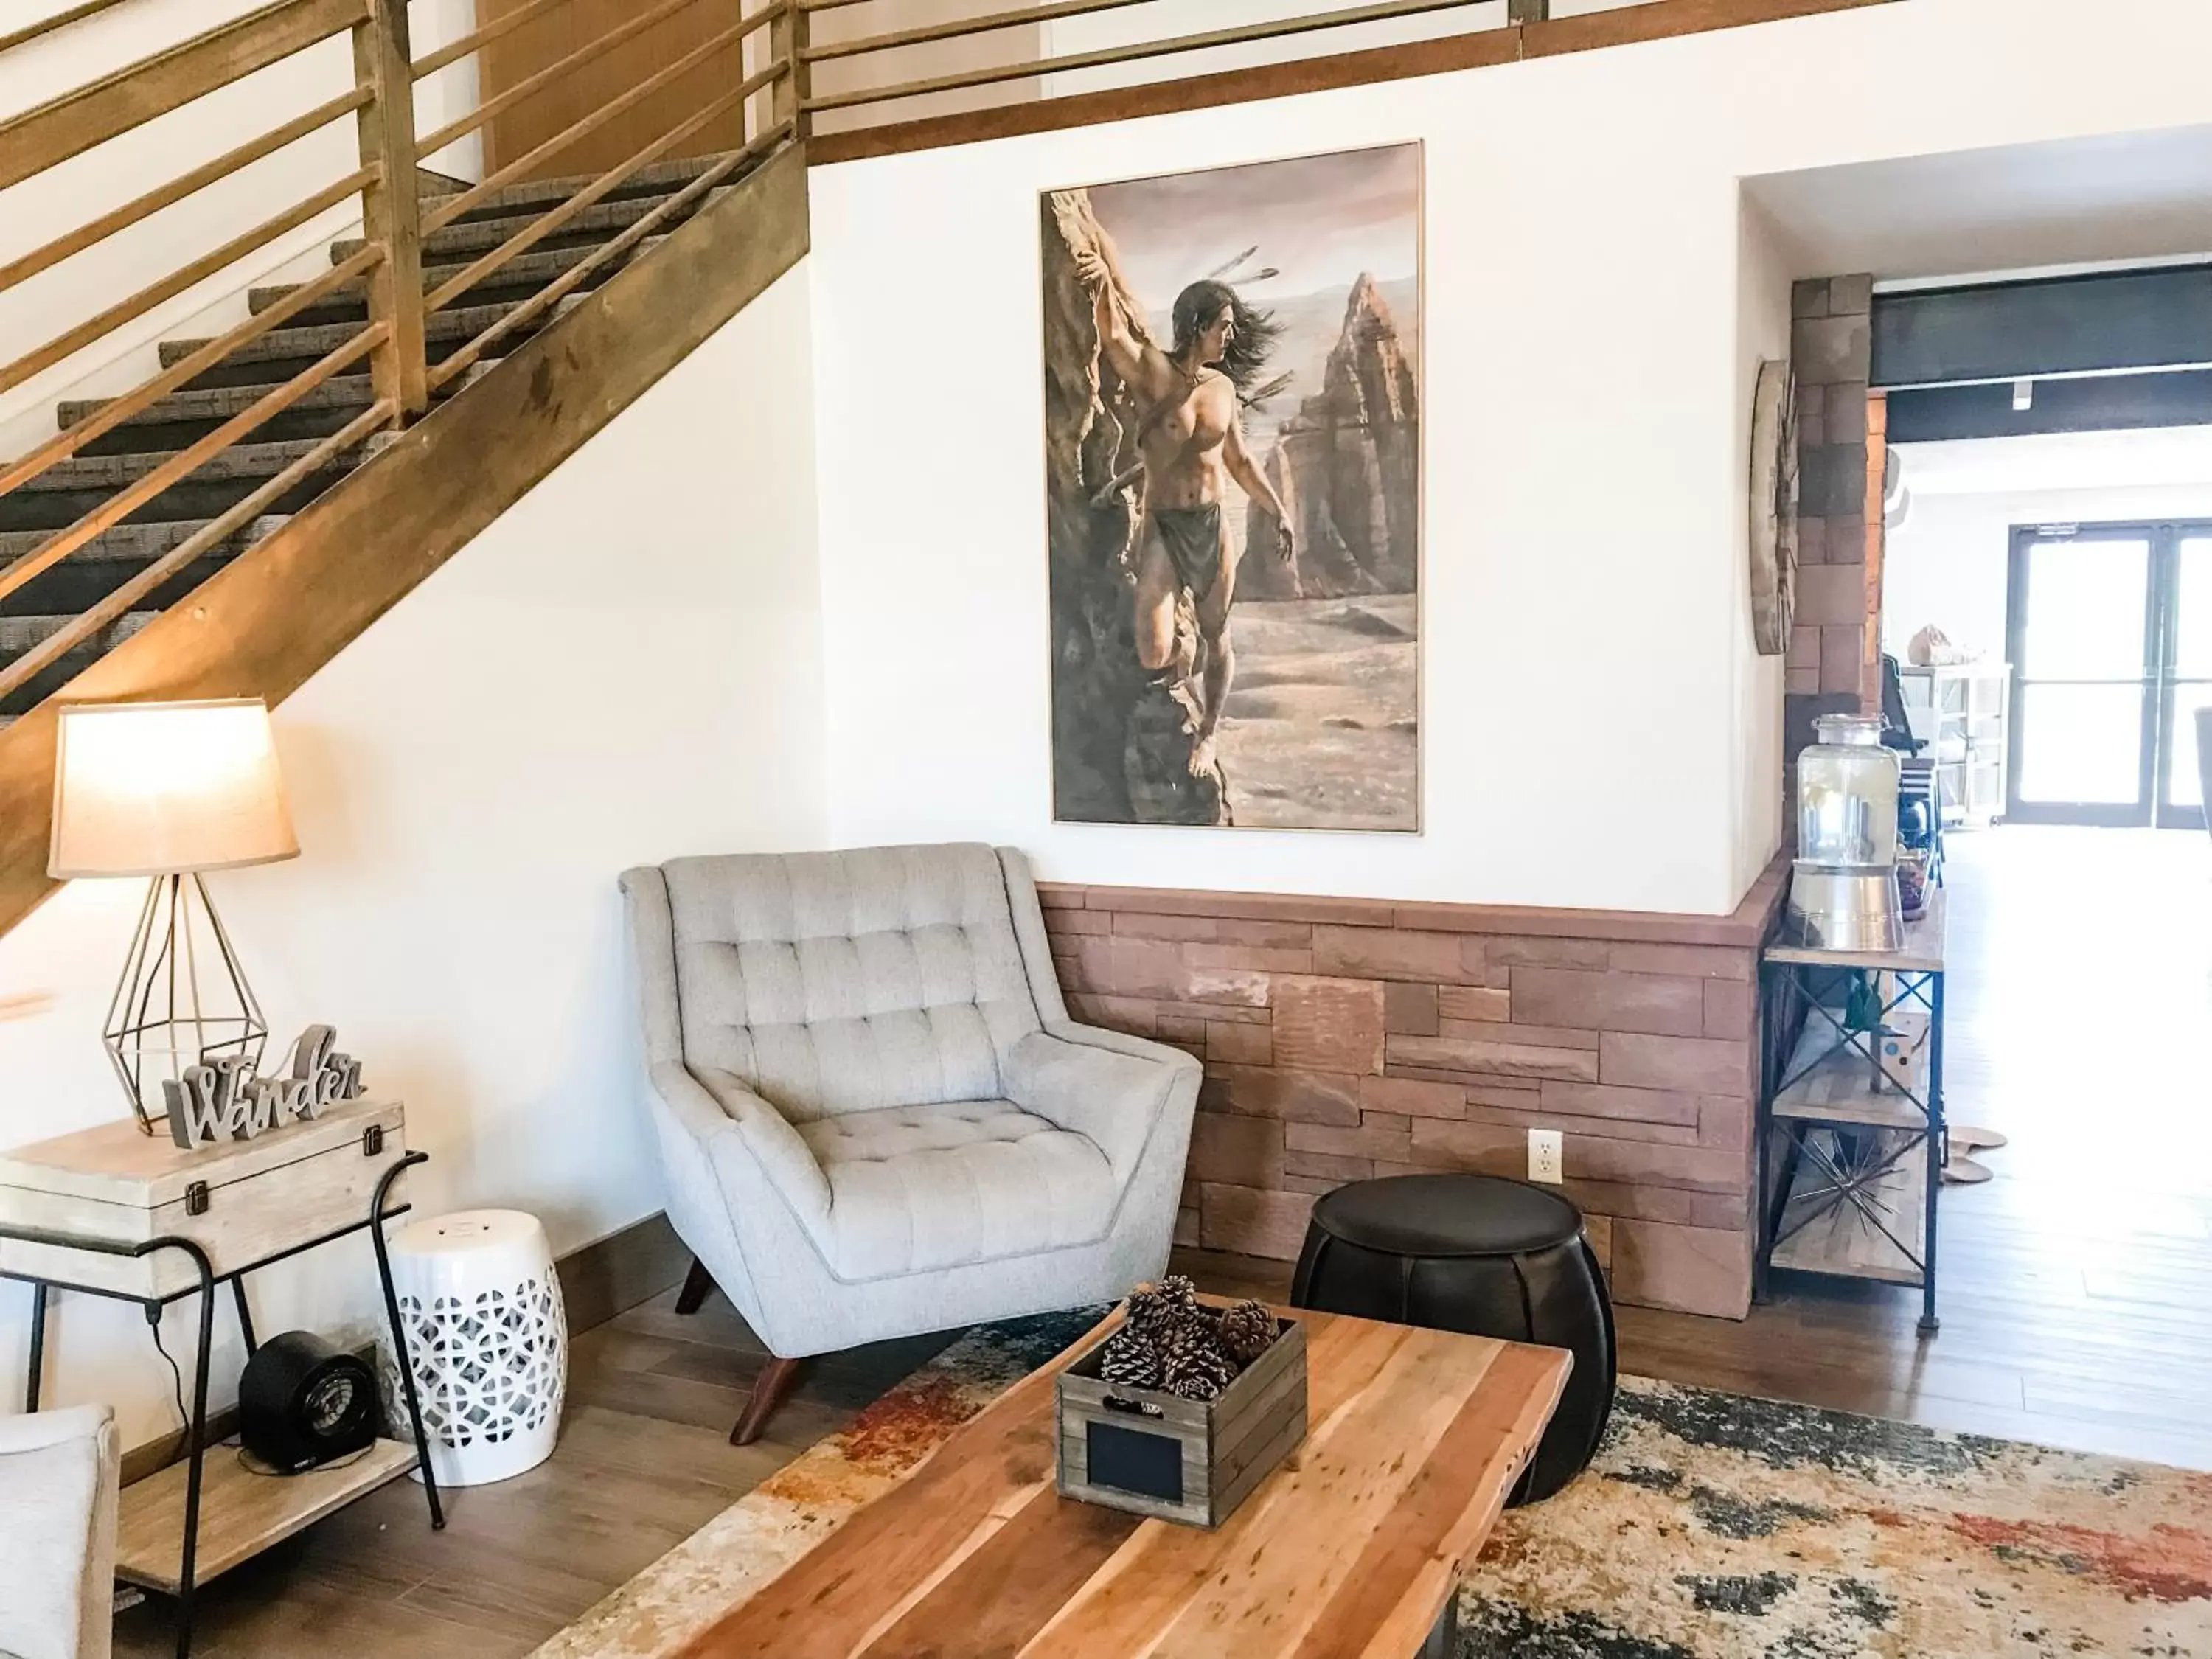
{"x":1481,"y":1254}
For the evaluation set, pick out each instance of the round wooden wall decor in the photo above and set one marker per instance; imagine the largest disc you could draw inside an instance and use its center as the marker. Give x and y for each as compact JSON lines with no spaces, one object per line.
{"x":1773,"y":508}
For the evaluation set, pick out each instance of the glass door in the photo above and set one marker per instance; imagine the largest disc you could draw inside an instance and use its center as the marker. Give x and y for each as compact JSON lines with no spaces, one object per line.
{"x":2111,"y":641}
{"x":2186,"y":680}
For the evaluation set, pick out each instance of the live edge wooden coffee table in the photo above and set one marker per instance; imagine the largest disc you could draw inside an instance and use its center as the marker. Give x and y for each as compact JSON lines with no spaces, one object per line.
{"x":1352,"y":1550}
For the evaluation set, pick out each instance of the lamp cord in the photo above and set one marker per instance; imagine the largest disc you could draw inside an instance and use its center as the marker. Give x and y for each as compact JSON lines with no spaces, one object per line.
{"x":153,"y":1324}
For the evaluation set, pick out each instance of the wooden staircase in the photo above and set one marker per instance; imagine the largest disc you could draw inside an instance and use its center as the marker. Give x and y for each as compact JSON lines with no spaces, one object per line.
{"x":260,"y":611}
{"x":233,"y":521}
{"x":118,"y":559}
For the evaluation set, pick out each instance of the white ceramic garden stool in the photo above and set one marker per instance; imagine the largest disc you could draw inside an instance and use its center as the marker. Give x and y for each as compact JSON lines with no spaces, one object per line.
{"x":488,"y":1338}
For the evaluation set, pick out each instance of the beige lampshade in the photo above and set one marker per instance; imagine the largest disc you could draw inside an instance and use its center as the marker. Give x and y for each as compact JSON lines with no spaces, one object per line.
{"x":150,"y":788}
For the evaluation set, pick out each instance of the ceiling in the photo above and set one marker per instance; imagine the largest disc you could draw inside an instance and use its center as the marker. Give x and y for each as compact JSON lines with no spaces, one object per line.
{"x":2113,"y":199}
{"x":2070,"y":460}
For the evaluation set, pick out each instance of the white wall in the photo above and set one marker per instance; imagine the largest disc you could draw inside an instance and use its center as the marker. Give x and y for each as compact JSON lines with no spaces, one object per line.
{"x":1763,"y":323}
{"x":1584,"y":644}
{"x":623,"y":668}
{"x":1949,"y":562}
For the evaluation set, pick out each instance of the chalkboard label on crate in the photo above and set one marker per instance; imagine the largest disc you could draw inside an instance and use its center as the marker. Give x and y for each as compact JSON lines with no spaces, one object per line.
{"x":1129,"y":1460}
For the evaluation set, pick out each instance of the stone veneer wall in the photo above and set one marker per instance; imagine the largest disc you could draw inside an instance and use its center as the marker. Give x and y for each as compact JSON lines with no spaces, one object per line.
{"x":1345,"y":1038}
{"x":1830,"y":666}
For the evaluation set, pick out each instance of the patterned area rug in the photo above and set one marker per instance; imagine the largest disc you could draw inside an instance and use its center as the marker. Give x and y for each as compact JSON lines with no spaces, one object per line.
{"x":1711,"y":1526}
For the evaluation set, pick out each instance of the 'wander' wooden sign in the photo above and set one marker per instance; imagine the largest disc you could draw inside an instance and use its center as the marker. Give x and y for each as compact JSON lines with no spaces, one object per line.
{"x":223,"y":1100}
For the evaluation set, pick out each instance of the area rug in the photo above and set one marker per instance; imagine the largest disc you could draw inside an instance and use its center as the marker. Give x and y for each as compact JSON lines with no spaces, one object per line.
{"x":1711,"y":1526}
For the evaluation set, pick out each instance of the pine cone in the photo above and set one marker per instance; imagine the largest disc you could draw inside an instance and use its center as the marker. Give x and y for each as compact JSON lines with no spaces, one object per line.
{"x":1129,"y":1362}
{"x":1246,"y":1330}
{"x":1199,"y":1372}
{"x":1157,"y":1311}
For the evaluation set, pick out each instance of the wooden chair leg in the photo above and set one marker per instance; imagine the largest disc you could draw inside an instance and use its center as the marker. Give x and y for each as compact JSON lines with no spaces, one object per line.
{"x":769,"y":1391}
{"x":696,"y":1284}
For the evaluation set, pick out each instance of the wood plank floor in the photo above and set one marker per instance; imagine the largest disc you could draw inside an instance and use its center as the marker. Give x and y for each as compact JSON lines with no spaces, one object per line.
{"x":644,"y":1462}
{"x":2074,"y":1290}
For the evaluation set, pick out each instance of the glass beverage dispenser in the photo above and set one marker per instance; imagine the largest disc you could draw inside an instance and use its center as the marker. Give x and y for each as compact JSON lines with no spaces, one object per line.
{"x":1843,"y":891}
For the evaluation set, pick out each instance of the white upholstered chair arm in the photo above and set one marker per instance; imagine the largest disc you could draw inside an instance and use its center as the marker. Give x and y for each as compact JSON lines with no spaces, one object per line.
{"x":60,"y":1476}
{"x":1111,"y":1088}
{"x":730,"y":1118}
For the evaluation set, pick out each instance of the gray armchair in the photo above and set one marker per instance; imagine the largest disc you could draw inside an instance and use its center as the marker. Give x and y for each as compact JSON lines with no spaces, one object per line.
{"x":59,"y":1474}
{"x":874,"y":1115}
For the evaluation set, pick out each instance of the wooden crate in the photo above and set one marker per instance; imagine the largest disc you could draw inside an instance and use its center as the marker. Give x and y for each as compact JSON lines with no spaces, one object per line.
{"x":1189,"y":1460}
{"x":240,"y":1201}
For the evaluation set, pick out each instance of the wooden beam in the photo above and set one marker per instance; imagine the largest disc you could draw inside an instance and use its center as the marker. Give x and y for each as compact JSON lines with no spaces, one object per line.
{"x":93,"y":329}
{"x":288,"y":605}
{"x":453,"y":51}
{"x":1661,"y":20}
{"x":60,"y":20}
{"x":1243,"y":35}
{"x":1481,"y":49}
{"x":489,"y":109}
{"x":390,"y":209}
{"x":959,"y":27}
{"x":177,"y":189}
{"x":73,"y":123}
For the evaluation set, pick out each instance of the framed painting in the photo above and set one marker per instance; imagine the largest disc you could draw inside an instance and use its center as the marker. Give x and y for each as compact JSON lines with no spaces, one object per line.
{"x":1233,"y":482}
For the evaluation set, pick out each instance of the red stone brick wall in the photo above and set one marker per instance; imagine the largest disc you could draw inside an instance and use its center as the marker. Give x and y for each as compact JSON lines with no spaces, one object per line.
{"x":1346,"y":1038}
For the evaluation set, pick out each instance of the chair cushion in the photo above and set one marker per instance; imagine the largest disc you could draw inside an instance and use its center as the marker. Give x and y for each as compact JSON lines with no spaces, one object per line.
{"x":833,"y":982}
{"x":916,"y":1188}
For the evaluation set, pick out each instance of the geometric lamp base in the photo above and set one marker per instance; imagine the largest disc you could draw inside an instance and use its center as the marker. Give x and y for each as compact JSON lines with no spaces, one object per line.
{"x":182,"y":1001}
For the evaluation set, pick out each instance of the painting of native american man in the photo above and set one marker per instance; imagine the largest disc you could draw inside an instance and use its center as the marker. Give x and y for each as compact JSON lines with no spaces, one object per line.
{"x":1233,"y":486}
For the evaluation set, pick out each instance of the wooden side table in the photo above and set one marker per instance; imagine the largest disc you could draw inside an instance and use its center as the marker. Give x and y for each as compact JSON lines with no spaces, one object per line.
{"x":113,"y":1213}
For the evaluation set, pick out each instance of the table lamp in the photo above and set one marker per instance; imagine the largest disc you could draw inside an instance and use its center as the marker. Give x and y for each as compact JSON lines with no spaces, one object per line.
{"x":172,"y":790}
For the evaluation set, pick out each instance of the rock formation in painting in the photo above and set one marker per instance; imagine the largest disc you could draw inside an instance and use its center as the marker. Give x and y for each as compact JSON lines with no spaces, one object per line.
{"x":1348,"y":466}
{"x":1122,"y":736}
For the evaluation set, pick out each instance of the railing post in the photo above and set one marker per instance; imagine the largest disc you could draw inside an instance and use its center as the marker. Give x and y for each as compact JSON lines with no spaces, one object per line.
{"x":787,"y":40}
{"x":391,"y":204}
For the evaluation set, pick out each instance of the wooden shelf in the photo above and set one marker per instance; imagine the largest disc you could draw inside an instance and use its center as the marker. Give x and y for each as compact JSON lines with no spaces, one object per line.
{"x":241,"y":1513}
{"x":1922,"y":952}
{"x":1839,"y":1087}
{"x":1843,"y":1241}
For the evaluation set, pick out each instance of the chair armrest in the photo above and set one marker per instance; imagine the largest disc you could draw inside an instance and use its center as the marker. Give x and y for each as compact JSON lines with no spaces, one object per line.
{"x":39,"y":1431}
{"x":733,"y":1113}
{"x":1108,"y":1087}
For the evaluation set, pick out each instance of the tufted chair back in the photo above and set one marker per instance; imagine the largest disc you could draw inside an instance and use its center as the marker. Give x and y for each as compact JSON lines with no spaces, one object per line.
{"x":835,"y":982}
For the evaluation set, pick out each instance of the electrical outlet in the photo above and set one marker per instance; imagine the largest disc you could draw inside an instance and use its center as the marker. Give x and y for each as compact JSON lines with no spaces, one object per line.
{"x":1547,"y":1156}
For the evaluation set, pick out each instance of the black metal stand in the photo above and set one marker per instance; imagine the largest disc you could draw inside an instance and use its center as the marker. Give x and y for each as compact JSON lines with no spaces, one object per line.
{"x":1862,"y":1148}
{"x":1443,"y":1641}
{"x":196,"y":1443}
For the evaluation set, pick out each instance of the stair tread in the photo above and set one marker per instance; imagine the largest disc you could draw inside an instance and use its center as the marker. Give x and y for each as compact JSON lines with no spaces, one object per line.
{"x":19,"y":634}
{"x":220,"y":402}
{"x":467,"y":238}
{"x":261,"y":461}
{"x":539,"y":266}
{"x":662,"y":177}
{"x":137,"y":542}
{"x":455,"y":323}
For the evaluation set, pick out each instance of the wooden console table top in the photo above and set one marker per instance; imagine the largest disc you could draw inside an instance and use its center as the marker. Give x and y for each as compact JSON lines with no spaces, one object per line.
{"x":1351,"y":1549}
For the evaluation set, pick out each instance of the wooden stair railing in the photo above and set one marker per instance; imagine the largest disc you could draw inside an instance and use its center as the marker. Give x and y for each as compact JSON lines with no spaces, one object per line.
{"x":232,"y":450}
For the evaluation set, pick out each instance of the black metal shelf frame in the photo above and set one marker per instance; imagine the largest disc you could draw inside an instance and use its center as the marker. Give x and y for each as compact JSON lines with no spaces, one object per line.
{"x":195,"y":1448}
{"x":1865,"y":1153}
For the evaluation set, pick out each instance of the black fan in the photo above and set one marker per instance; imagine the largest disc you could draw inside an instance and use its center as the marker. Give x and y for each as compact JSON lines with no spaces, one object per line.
{"x":304,"y":1402}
